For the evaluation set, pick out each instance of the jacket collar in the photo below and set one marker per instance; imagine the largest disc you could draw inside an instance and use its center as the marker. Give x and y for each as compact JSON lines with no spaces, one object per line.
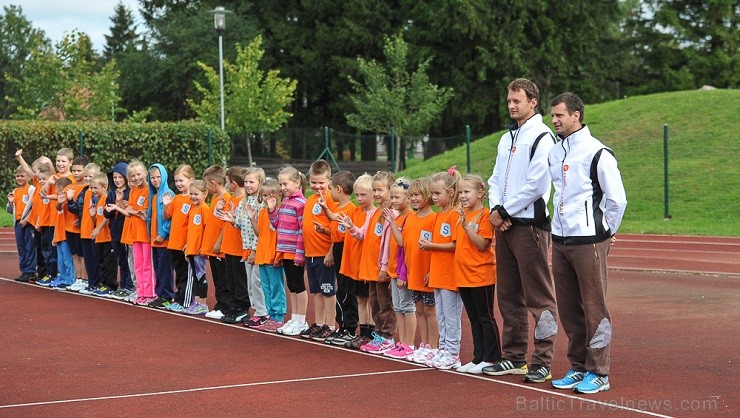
{"x":577,"y":136}
{"x":535,"y":119}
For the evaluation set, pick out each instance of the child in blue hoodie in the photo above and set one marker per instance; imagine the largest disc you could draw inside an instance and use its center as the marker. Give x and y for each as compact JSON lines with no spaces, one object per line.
{"x":159,"y":231}
{"x":114,"y":212}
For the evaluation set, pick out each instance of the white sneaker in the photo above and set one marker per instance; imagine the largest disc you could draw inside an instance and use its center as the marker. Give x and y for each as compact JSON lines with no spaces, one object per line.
{"x":433,"y":357}
{"x":478,"y":368}
{"x":131,"y":297}
{"x":296,"y":328}
{"x":214,"y":314}
{"x":421,"y":353}
{"x":465,"y":367}
{"x":78,"y":285}
{"x":286,"y":325}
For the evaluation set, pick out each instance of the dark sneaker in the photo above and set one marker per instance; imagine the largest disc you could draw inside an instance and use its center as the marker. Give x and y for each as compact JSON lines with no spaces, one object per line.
{"x":314,"y":328}
{"x":538,"y":374}
{"x":506,"y":367}
{"x":571,"y":379}
{"x":342,"y":338}
{"x":235,"y":317}
{"x":159,"y":303}
{"x":358,"y":342}
{"x":322,"y":334}
{"x":24,"y":278}
{"x":335,"y":334}
{"x":255,"y":321}
{"x":592,"y":383}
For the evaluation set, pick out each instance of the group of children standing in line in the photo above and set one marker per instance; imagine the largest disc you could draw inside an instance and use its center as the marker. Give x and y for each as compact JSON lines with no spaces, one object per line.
{"x":378,"y":269}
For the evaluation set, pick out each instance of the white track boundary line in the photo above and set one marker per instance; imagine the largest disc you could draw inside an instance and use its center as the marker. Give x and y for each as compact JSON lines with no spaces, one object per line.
{"x":305,"y":341}
{"x":210,"y":388}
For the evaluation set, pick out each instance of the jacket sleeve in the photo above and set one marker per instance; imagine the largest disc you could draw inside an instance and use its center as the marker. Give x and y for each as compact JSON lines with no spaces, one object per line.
{"x":615,"y":197}
{"x":111,"y":199}
{"x":76,"y":205}
{"x":538,"y":179}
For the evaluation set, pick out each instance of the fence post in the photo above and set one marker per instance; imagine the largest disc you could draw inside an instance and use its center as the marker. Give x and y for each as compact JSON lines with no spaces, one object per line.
{"x":82,"y":143}
{"x":393,"y":150}
{"x":667,"y":213}
{"x":467,"y":145}
{"x":210,"y":147}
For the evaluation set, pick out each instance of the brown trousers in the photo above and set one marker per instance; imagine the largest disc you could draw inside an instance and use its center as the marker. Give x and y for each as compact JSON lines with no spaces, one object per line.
{"x":524,"y":286}
{"x":381,"y":307}
{"x":580,"y":282}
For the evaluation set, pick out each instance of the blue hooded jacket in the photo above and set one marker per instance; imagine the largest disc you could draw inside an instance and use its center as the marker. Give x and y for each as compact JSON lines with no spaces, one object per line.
{"x":163,"y":225}
{"x":116,"y":219}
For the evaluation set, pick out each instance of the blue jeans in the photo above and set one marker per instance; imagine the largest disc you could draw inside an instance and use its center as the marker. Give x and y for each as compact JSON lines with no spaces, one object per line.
{"x":65,"y":264}
{"x":26,"y":248}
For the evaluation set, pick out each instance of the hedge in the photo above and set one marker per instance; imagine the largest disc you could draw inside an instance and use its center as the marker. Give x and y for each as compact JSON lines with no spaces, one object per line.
{"x":107,"y":143}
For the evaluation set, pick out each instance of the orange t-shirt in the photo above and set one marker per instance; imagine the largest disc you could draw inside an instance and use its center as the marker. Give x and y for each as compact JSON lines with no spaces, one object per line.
{"x":213,"y":227}
{"x":337,"y":230}
{"x":474,"y":268}
{"x":33,"y":216}
{"x":86,"y":221}
{"x":197,"y":217}
{"x":178,"y":211}
{"x":104,"y":234}
{"x":369,"y":269}
{"x":352,"y":251}
{"x":315,"y":243}
{"x":47,"y":212}
{"x":441,"y":267}
{"x":139,"y":201}
{"x":59,"y":221}
{"x":69,"y":217}
{"x":417,"y":261}
{"x":21,"y":200}
{"x":231,"y":244}
{"x":393,"y":247}
{"x":267,"y":242}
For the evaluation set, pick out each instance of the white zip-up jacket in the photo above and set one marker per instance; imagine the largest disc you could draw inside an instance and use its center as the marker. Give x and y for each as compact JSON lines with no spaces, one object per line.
{"x":520,"y":184}
{"x":589,"y":200}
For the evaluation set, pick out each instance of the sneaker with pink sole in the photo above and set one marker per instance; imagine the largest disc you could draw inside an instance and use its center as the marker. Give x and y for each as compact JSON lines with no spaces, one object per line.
{"x":401,"y":352}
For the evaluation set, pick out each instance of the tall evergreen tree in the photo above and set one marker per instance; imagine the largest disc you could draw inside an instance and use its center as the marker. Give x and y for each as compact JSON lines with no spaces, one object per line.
{"x":122,"y":33}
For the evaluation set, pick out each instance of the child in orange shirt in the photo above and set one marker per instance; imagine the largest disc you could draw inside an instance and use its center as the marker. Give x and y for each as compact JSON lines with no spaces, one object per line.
{"x":137,"y":234}
{"x":72,"y":223}
{"x":271,"y":271}
{"x":196,"y":287}
{"x":447,"y":300}
{"x":403,"y":300}
{"x":177,"y":209}
{"x":116,"y":215}
{"x":346,"y":311}
{"x":80,"y":206}
{"x":65,"y":266}
{"x":419,"y":225}
{"x":105,"y":270}
{"x":20,"y":204}
{"x":475,"y":273}
{"x":215,"y":178}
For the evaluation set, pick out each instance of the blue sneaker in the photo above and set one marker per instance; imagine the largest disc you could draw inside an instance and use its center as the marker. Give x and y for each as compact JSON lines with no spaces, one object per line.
{"x":45,"y":281}
{"x":571,"y":379}
{"x":175,"y":307}
{"x":103,"y":291}
{"x":593,"y":383}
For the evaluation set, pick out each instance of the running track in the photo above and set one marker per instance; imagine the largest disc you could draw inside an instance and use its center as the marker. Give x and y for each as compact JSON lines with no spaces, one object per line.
{"x":674,"y":354}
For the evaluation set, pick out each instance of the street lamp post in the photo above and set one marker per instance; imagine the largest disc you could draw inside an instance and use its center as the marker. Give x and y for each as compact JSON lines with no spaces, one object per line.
{"x":219,"y":22}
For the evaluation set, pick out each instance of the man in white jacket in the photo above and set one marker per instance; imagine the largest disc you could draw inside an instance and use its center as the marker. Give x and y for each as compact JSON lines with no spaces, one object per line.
{"x":589,"y":203}
{"x":519,"y":190}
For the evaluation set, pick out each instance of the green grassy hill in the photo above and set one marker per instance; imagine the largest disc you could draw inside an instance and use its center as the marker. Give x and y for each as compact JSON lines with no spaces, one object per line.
{"x":704,"y":145}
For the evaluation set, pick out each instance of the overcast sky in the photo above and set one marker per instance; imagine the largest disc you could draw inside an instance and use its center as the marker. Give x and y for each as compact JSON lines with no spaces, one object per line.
{"x":55,"y":17}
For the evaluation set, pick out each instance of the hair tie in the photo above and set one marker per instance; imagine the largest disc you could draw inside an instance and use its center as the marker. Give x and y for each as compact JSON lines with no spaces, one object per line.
{"x":451,"y":171}
{"x":403,"y":184}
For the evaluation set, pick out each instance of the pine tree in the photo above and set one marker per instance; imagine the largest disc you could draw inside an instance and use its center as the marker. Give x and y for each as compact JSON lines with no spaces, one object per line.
{"x":122,"y":33}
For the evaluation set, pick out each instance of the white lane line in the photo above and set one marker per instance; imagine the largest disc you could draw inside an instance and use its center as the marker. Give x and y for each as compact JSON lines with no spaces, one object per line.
{"x":607,"y":406}
{"x":208,"y":388}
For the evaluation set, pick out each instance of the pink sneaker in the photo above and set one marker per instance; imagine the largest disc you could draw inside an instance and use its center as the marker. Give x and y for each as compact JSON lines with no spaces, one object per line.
{"x":400,"y":352}
{"x":385,"y":344}
{"x":373,"y":345}
{"x":270,"y":326}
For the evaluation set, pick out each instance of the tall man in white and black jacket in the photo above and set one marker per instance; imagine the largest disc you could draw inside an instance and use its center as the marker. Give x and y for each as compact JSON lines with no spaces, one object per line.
{"x":589,"y":203}
{"x":519,"y":190}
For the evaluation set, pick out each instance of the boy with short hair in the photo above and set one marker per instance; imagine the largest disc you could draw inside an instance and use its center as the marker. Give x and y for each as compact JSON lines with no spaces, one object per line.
{"x":322,"y":280}
{"x":215,"y":178}
{"x":66,"y":277}
{"x":347,"y":313}
{"x":19,"y":204}
{"x":105,"y":270}
{"x":81,"y":205}
{"x":44,"y":224}
{"x":73,"y":221}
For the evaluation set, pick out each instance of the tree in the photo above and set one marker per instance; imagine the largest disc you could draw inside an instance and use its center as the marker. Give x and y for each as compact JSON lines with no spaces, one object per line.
{"x":18,"y":40}
{"x":255,"y":100}
{"x":62,"y":83}
{"x":392,"y":99}
{"x":122,"y":33}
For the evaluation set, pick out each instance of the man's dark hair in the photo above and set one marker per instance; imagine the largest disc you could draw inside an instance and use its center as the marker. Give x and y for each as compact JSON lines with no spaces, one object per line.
{"x":527,"y":86}
{"x":572,"y":102}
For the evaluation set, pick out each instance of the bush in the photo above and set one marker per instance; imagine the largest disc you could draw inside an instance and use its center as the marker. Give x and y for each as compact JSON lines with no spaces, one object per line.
{"x":106,"y":143}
